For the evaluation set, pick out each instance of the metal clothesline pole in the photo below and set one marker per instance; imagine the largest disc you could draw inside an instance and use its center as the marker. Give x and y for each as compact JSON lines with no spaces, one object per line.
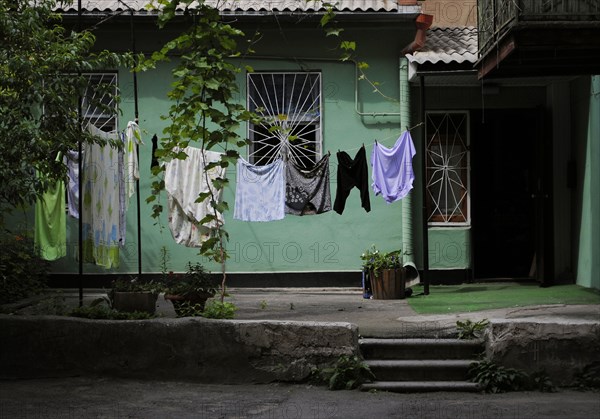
{"x":137,"y":146}
{"x":425,"y":229}
{"x":80,"y":183}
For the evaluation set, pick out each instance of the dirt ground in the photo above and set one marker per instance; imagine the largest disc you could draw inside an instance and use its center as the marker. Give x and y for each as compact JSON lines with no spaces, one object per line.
{"x":88,"y":397}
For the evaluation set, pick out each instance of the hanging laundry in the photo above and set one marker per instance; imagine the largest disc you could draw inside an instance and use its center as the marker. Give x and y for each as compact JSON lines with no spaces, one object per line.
{"x":260,"y":191}
{"x":71,"y":160}
{"x":154,"y":161}
{"x":185,"y":180}
{"x":102,"y":217}
{"x":393,"y":173}
{"x":50,"y":234}
{"x":352,"y":173}
{"x":133,"y":137}
{"x":307,"y":190}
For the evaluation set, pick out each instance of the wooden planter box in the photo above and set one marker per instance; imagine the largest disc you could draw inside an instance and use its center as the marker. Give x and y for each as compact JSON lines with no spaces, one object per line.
{"x":389,"y":285}
{"x":135,"y":301}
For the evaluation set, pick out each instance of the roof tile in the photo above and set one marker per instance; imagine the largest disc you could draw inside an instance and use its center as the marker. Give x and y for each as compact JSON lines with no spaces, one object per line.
{"x":448,"y":45}
{"x":247,"y":5}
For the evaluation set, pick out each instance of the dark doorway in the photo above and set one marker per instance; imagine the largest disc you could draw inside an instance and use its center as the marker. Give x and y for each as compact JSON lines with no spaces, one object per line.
{"x":502,"y":174}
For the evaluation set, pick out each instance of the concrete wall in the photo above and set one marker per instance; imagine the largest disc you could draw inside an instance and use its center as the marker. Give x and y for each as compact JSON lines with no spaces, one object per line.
{"x":211,"y":351}
{"x":559,"y":349}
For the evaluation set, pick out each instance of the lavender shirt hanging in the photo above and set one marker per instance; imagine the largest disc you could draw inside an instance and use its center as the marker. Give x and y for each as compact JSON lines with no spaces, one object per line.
{"x":393,"y":173}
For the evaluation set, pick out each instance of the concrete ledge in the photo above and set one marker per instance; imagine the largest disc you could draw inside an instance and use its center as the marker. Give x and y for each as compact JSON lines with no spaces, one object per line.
{"x":197,"y":349}
{"x":559,"y":348}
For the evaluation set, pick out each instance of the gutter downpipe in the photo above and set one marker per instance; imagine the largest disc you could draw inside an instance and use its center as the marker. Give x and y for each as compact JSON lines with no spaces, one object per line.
{"x":412,"y":273}
{"x":423,"y":22}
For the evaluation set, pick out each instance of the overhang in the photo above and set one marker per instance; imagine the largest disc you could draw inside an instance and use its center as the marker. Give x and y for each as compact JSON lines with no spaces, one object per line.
{"x":388,"y":10}
{"x":447,"y":56}
{"x":533,"y":49}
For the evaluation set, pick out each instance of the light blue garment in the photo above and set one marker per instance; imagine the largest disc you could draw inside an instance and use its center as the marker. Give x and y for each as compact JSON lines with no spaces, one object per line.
{"x":260,"y":191}
{"x":393,"y":173}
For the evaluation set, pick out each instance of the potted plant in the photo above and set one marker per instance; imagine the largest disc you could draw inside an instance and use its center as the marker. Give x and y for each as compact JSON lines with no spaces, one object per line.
{"x":385,"y":273}
{"x":130,"y":295}
{"x":189,"y":291}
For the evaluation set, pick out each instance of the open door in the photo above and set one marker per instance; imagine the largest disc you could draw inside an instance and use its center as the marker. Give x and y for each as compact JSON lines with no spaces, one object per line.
{"x":508,"y":177}
{"x":541,"y":190}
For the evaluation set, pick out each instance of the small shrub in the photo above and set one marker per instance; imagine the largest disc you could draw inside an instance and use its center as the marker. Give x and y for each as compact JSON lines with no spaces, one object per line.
{"x":187,"y":308}
{"x":541,"y":382}
{"x":494,"y":378}
{"x":55,"y":305}
{"x":588,"y":377}
{"x":103,"y":312}
{"x":22,"y":272}
{"x":216,"y":309}
{"x":471,"y":330}
{"x":348,"y":373}
{"x":196,"y":280}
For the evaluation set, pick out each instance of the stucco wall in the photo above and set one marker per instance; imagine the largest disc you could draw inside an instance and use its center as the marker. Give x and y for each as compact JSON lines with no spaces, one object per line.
{"x":586,"y":114}
{"x":327,"y":242}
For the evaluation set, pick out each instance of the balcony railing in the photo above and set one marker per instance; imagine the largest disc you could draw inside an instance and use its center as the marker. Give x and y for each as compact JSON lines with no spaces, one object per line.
{"x":496,"y":17}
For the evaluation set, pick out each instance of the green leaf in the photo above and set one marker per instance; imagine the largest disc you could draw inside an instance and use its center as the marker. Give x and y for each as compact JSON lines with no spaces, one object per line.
{"x":333,"y":31}
{"x":348,"y":45}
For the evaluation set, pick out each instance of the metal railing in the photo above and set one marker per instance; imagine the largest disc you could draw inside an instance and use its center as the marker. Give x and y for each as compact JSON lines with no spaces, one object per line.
{"x":496,"y":17}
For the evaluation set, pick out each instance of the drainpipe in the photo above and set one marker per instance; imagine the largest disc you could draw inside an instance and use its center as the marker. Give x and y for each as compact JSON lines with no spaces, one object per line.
{"x":412,"y":273}
{"x":423,"y":22}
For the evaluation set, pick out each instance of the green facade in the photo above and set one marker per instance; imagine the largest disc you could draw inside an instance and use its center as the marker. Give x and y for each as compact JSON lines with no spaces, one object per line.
{"x":353,"y":115}
{"x":317,"y":243}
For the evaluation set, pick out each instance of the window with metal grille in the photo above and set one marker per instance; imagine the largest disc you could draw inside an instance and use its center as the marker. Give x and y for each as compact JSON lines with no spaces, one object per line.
{"x":99,"y":106}
{"x":448,"y":201}
{"x":290,"y":105}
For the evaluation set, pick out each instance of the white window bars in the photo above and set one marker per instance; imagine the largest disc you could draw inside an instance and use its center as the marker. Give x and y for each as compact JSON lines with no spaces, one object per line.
{"x":290,"y":104}
{"x":448,"y":162}
{"x":99,"y":106}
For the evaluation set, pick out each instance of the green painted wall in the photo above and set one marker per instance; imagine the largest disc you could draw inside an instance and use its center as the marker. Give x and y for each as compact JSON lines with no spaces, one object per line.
{"x":588,"y":257}
{"x":450,"y":248}
{"x":327,"y":242}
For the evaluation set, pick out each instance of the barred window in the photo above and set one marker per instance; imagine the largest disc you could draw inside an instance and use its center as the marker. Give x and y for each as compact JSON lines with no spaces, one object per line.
{"x":99,"y":106}
{"x":290,"y":104}
{"x":448,"y":198}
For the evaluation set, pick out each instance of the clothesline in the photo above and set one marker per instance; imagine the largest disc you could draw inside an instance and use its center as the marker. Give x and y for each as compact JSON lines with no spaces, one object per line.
{"x":384,"y":139}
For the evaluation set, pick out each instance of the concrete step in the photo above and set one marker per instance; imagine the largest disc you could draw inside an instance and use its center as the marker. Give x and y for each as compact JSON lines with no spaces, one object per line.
{"x":420,"y":386}
{"x":420,"y":348}
{"x":420,"y":370}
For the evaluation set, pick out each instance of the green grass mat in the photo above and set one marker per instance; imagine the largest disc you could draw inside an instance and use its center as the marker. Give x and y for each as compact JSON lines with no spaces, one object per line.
{"x":476,"y":297}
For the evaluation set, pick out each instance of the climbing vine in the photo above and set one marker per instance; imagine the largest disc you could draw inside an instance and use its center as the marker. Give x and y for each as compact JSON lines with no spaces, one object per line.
{"x":203,"y":109}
